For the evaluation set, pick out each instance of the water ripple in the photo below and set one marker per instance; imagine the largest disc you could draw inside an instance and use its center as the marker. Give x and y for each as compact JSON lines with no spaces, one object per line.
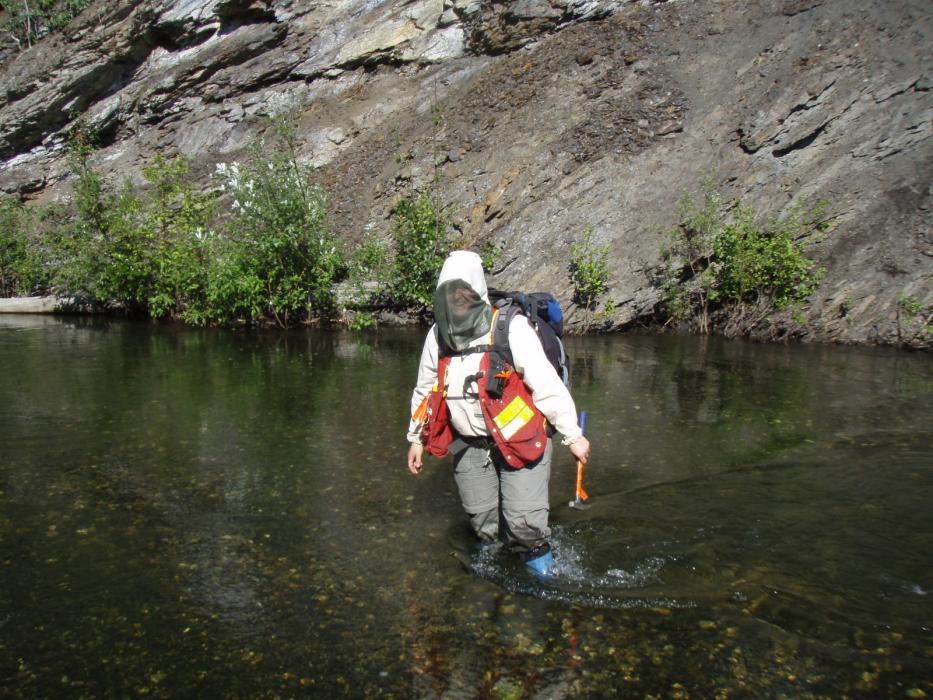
{"x":574,"y":583}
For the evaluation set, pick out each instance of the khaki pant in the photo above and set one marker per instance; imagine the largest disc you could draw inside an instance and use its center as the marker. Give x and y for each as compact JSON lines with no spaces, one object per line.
{"x":494,"y":493}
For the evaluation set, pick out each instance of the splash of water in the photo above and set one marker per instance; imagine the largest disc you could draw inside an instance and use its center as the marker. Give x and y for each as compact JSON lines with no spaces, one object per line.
{"x":572,"y":582}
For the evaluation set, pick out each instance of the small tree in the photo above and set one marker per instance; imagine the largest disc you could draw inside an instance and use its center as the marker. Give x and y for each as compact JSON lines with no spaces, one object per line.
{"x":175,"y":221}
{"x":75,"y":241}
{"x":589,"y":274}
{"x":688,"y":281}
{"x":420,"y":233}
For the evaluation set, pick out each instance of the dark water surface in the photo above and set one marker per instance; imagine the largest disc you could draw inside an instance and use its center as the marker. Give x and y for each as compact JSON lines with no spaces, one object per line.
{"x":193,"y":513}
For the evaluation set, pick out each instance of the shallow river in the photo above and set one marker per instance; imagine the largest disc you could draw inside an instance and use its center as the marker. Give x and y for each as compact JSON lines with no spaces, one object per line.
{"x":191,"y":513}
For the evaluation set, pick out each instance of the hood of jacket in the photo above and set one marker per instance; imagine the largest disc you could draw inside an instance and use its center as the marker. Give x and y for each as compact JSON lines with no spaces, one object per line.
{"x":461,"y":301}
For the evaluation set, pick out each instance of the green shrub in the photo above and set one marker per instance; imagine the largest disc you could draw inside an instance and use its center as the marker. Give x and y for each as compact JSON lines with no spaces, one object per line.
{"x":74,"y":237}
{"x":909,"y":305}
{"x":145,"y":251}
{"x":589,"y":271}
{"x":157,"y":251}
{"x":491,"y":253}
{"x":281,"y":257}
{"x":361,"y":321}
{"x":22,"y":268}
{"x":369,"y":261}
{"x":589,"y":274}
{"x":176,"y":223}
{"x":28,"y":21}
{"x":124,"y":253}
{"x":720,"y":256}
{"x":370,"y":273}
{"x":913,"y":320}
{"x":753,"y":264}
{"x":420,"y":234}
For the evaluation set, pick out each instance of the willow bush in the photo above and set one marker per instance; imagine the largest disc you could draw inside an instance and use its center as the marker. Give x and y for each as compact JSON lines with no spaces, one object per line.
{"x":279,"y":257}
{"x":257,"y":247}
{"x":724,"y":257}
{"x":175,"y":222}
{"x":144,"y":250}
{"x":162,"y":251}
{"x":22,"y":269}
{"x":420,"y":233}
{"x":589,"y":275}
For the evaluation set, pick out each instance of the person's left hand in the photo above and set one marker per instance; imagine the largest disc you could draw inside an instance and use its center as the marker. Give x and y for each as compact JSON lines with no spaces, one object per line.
{"x":580,"y":449}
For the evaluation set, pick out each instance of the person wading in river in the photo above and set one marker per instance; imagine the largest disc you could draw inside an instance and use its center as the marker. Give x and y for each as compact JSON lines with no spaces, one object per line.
{"x":500,"y":443}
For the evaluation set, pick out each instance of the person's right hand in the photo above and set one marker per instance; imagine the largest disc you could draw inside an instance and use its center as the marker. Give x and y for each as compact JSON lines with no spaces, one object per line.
{"x":415,"y":453}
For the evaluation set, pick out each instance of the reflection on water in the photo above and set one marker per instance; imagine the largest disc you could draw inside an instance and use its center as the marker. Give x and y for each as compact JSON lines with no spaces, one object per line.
{"x":228,"y":513}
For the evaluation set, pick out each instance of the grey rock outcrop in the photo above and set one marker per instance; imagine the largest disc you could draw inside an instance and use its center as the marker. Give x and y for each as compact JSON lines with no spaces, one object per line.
{"x":557,"y":116}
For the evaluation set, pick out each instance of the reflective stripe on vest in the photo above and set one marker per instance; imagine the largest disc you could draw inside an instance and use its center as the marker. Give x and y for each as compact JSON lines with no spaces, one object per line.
{"x":515,"y":416}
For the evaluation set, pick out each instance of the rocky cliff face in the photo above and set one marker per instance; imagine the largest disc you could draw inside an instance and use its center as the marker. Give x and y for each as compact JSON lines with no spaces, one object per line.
{"x":535,"y":118}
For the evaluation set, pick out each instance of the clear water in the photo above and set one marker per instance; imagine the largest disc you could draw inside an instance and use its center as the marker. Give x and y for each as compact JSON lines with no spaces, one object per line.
{"x":191,"y":513}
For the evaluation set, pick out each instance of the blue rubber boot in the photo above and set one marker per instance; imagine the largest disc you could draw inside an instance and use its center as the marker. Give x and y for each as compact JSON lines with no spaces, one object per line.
{"x":485,"y":545}
{"x":542,"y":567}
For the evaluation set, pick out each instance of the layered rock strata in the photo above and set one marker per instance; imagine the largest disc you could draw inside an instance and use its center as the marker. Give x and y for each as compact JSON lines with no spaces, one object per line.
{"x":537,"y":119}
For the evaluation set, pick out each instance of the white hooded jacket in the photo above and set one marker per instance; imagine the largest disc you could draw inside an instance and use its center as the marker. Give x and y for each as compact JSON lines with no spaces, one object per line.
{"x":548,"y":391}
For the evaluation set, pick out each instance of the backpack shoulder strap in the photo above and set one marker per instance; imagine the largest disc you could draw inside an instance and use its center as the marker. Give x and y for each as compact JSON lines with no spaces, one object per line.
{"x":506,"y":311}
{"x":531,"y":311}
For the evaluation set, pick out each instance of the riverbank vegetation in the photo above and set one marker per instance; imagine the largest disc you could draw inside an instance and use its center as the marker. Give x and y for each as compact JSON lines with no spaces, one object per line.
{"x":163,"y":250}
{"x":729,"y":268}
{"x":400,"y":274}
{"x":255,"y":247}
{"x":27,"y":21}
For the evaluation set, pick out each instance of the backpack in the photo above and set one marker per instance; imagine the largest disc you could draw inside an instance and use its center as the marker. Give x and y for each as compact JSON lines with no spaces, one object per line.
{"x":546,"y":317}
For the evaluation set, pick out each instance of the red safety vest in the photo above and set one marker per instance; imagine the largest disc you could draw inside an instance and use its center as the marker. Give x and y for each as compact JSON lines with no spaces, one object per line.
{"x":516,"y":425}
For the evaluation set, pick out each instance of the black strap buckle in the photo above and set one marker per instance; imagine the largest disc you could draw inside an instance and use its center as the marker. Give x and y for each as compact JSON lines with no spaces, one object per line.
{"x":469,"y":381}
